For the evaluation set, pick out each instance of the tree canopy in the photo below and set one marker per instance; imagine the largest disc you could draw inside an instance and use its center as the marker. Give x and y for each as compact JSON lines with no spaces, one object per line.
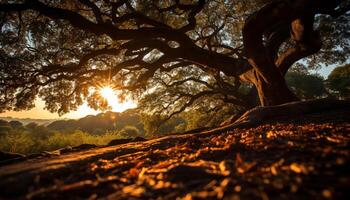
{"x":169,"y":54}
{"x":306,"y":86}
{"x":339,"y":81}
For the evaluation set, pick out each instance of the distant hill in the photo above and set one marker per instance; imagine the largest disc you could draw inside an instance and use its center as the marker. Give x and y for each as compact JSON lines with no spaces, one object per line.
{"x":129,"y":120}
{"x":94,"y":124}
{"x":29,"y":120}
{"x":101,"y":123}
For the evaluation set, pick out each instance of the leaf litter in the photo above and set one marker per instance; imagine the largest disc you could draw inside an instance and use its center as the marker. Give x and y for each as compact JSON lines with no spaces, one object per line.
{"x":273,"y":161}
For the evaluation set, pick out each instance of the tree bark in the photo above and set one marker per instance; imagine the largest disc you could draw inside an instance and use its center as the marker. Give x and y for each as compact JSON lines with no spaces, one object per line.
{"x":273,"y":91}
{"x":263,"y":34}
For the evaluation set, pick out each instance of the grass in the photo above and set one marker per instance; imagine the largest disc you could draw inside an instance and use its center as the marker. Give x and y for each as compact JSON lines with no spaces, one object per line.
{"x":27,"y":143}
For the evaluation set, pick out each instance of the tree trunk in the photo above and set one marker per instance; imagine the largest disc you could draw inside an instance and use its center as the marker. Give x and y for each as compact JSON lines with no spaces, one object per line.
{"x":262,"y":39}
{"x":273,"y":92}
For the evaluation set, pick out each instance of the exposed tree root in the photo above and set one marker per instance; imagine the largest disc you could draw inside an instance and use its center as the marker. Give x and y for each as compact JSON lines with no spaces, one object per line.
{"x":288,"y":111}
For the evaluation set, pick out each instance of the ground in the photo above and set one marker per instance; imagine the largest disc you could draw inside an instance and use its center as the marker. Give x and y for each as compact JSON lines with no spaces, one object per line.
{"x":303,"y":158}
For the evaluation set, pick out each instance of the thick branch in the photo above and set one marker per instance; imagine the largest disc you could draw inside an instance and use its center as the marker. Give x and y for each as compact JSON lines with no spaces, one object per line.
{"x":192,"y":16}
{"x":253,"y":31}
{"x":95,"y":10}
{"x":307,"y":42}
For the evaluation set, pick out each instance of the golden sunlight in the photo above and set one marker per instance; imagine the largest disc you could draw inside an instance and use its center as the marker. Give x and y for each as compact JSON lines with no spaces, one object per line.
{"x":108,"y":93}
{"x":111,"y":96}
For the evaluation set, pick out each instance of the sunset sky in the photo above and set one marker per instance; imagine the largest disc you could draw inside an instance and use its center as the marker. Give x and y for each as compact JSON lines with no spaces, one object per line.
{"x":40,"y":113}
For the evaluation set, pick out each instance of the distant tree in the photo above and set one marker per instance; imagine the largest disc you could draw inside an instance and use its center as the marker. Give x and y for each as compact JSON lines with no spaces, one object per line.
{"x":101,"y":123}
{"x":129,"y":131}
{"x":17,"y":142}
{"x":58,"y":50}
{"x":155,"y":124}
{"x":32,"y":125}
{"x":4,"y":123}
{"x":306,"y":86}
{"x":171,"y":125}
{"x":131,"y":117}
{"x":5,"y":130}
{"x":91,"y":123}
{"x":16,"y":124}
{"x":98,"y":131}
{"x":338,"y":81}
{"x":200,"y":118}
{"x":40,"y":132}
{"x":63,"y":125}
{"x":5,"y":127}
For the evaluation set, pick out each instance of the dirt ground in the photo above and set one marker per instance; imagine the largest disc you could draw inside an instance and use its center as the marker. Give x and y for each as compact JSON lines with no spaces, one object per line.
{"x":304,"y":158}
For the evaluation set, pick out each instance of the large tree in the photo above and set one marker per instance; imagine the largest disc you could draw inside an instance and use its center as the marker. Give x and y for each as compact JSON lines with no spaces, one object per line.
{"x":59,"y":50}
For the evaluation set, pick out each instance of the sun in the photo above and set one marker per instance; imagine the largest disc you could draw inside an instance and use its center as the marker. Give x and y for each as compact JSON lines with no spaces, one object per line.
{"x":108,"y":93}
{"x":113,"y":101}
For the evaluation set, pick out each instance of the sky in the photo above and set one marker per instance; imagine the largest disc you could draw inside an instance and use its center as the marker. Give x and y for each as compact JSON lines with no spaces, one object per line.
{"x":325,"y":71}
{"x":40,"y":113}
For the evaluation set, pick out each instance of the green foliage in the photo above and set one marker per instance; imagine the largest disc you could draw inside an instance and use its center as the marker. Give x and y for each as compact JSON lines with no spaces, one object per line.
{"x":25,"y":142}
{"x":32,"y":125}
{"x":129,"y":131}
{"x":306,"y":86}
{"x":4,"y":123}
{"x":59,"y":140}
{"x":5,"y":127}
{"x":5,"y":130}
{"x":155,"y":125}
{"x":339,"y":81}
{"x":101,"y":129}
{"x":18,"y":143}
{"x":101,"y":123}
{"x":16,"y":124}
